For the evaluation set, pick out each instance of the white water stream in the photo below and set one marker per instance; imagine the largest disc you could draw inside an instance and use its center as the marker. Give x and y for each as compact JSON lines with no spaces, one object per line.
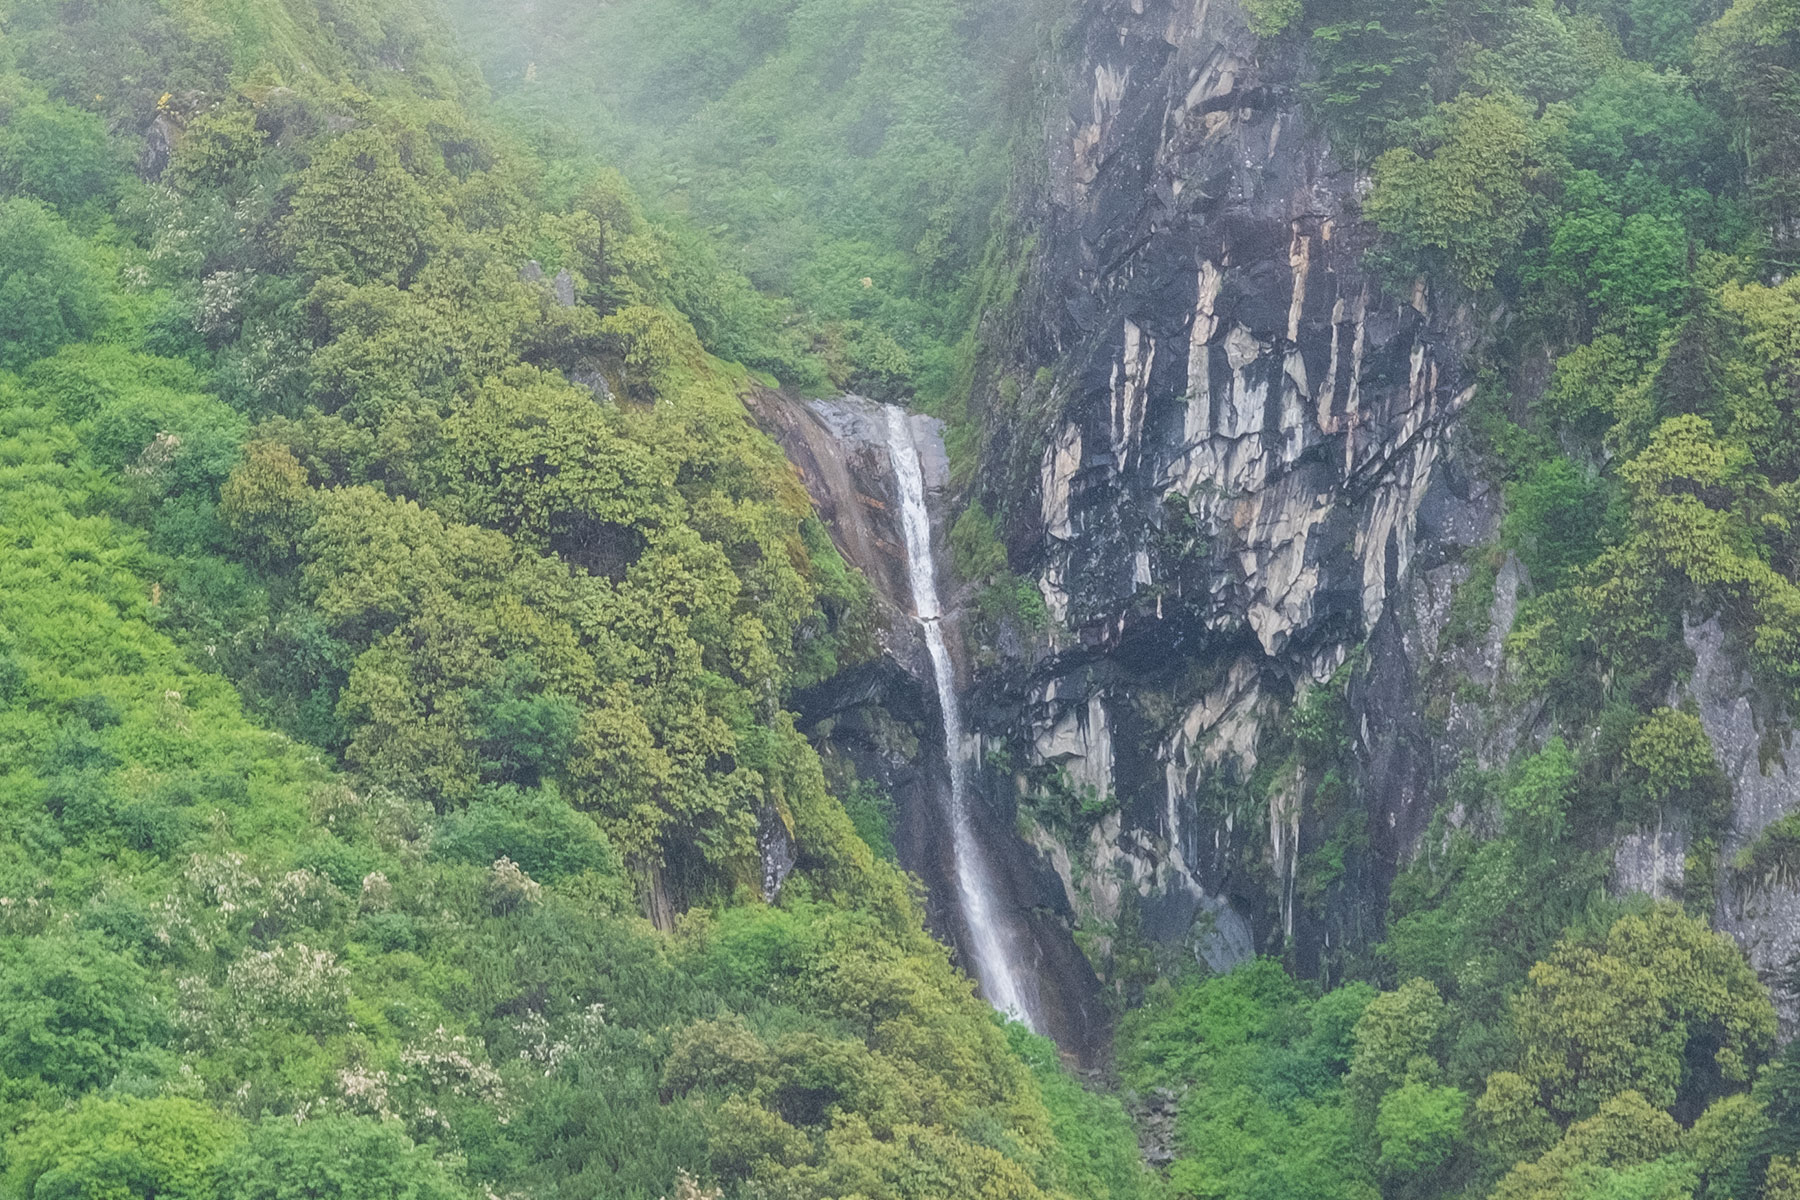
{"x":1001,"y":980}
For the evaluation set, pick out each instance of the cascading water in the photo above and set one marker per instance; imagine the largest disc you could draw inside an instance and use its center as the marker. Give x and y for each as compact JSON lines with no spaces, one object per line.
{"x":1001,"y":980}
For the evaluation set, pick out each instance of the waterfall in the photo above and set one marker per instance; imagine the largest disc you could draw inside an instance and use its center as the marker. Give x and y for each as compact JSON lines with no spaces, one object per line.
{"x":1001,"y":980}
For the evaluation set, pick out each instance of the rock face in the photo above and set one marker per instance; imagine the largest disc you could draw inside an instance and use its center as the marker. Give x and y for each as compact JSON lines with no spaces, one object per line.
{"x":1243,"y":470}
{"x":1231,"y":460}
{"x":1762,"y":914}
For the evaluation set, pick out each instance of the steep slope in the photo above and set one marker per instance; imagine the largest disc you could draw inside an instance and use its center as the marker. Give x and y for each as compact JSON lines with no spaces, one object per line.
{"x":1237,"y":461}
{"x":396,"y":609}
{"x":1286,"y":458}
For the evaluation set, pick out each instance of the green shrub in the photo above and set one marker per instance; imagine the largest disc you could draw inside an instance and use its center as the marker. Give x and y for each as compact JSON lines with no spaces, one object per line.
{"x":1272,"y":18}
{"x":1465,"y":201}
{"x":126,"y":1149}
{"x":534,"y":828}
{"x":1555,"y":521}
{"x":56,"y":153}
{"x":1421,"y":1128}
{"x":1774,"y":857}
{"x":332,"y":1158}
{"x":975,"y":546}
{"x":52,"y":291}
{"x":215,"y":144}
{"x":1372,"y":60}
{"x":70,"y":1009}
{"x":871,"y":811}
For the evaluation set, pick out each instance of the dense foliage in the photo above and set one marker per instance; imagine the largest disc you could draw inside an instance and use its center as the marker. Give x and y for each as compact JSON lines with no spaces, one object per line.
{"x":396,"y":605}
{"x":397,"y":602}
{"x":1623,"y":1067}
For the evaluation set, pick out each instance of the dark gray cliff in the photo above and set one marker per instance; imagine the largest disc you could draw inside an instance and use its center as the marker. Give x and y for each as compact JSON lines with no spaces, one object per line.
{"x":1231,"y":460}
{"x":1226,"y":455}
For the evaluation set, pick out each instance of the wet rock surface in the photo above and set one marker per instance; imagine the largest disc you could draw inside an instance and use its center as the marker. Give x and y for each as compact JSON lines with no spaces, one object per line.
{"x":881,"y":719}
{"x":1231,"y":459}
{"x":1763,"y":914}
{"x":1245,"y":471}
{"x":1154,"y":1116}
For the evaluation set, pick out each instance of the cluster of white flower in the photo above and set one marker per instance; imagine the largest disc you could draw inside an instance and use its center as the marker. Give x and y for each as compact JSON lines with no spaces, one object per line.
{"x":195,"y":1012}
{"x":688,"y":1188}
{"x":294,"y":982}
{"x":377,"y":893}
{"x":548,"y":1046}
{"x":221,"y":296}
{"x":367,"y":1092}
{"x":176,"y":236}
{"x":446,"y":1063}
{"x":509,"y":887}
{"x":396,"y":822}
{"x":22,"y":916}
{"x":186,"y":1084}
{"x":335,"y":805}
{"x":175,"y":924}
{"x":301,"y":897}
{"x":225,"y":881}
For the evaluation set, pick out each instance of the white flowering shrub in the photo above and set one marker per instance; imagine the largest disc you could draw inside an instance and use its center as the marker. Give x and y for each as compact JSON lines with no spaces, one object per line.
{"x":222,"y":896}
{"x":156,"y":456}
{"x":547,"y":1045}
{"x":377,"y":893}
{"x":294,"y":983}
{"x":174,"y":926}
{"x":688,"y":1188}
{"x":268,"y":360}
{"x":23,"y":915}
{"x":509,"y":887}
{"x":300,"y":899}
{"x":225,"y":881}
{"x":443,"y":1065}
{"x":451,"y":1063}
{"x":196,"y":1011}
{"x":221,"y":299}
{"x":398,"y":825}
{"x":368,"y":1093}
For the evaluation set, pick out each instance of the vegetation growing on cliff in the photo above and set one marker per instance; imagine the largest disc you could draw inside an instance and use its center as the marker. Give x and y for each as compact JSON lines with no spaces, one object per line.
{"x":1608,"y":183}
{"x":1592,"y":170}
{"x":397,"y":603}
{"x":1623,"y":1066}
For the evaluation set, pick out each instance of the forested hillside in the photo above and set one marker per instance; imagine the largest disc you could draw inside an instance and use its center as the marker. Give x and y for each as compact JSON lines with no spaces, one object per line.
{"x":403,"y":623}
{"x":849,"y":156}
{"x":395,"y":602}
